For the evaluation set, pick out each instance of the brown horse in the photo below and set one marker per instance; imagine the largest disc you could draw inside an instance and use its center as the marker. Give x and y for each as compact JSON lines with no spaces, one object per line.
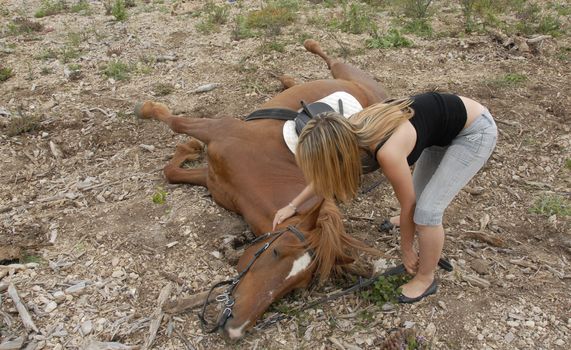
{"x":251,"y":172}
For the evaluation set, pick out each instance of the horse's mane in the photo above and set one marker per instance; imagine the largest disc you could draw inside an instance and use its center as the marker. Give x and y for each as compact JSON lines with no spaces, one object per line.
{"x":333,"y":247}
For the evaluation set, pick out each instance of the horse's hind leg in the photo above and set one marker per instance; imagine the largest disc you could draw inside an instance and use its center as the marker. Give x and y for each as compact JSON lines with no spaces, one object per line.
{"x":341,"y":70}
{"x":199,"y":128}
{"x":186,"y":152}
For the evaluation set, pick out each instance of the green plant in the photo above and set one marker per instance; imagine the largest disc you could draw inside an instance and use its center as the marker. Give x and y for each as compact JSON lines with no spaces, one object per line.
{"x":552,"y":205}
{"x":480,"y":14}
{"x":274,"y":15}
{"x":241,"y":29}
{"x":47,"y":54}
{"x":392,"y":39}
{"x":82,"y":6}
{"x":5,"y":73}
{"x":356,"y":19}
{"x":273,"y":45}
{"x":214,"y":16}
{"x":50,"y":8}
{"x":568,"y":163}
{"x":509,"y":79}
{"x":23,"y":25}
{"x":415,"y":8}
{"x":385,"y":289}
{"x":532,"y":20}
{"x":29,"y":258}
{"x":117,"y":70}
{"x":420,"y":27}
{"x":46,"y":71}
{"x":163,"y":89}
{"x":23,"y":124}
{"x":119,"y":10}
{"x":160,"y":196}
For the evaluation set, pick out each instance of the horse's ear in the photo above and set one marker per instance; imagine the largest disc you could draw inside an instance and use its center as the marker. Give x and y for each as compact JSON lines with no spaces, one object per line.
{"x":344,"y":260}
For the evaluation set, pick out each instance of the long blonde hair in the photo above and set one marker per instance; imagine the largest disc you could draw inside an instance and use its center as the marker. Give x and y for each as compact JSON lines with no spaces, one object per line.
{"x":328,"y":149}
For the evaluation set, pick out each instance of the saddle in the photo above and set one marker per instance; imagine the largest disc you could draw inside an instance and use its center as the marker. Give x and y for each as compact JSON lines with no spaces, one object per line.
{"x":308,"y":111}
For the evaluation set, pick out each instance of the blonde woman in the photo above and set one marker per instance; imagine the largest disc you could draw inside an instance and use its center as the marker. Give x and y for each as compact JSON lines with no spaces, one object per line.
{"x":447,"y":137}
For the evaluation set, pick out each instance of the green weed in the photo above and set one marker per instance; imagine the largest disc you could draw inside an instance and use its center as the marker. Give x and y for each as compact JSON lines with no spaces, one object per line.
{"x":23,"y":124}
{"x":273,"y":45}
{"x":385,"y":289}
{"x":5,"y":73}
{"x":47,"y":54}
{"x":119,"y":10}
{"x":46,"y":71}
{"x":50,"y":8}
{"x":29,"y":258}
{"x":163,"y":89}
{"x":273,"y":16}
{"x":509,"y":79}
{"x":117,"y":70}
{"x":416,"y":9}
{"x":356,"y":19}
{"x":420,"y":27}
{"x":568,"y":163}
{"x":392,"y":39}
{"x":23,"y":25}
{"x":160,"y":196}
{"x":549,"y":205}
{"x":532,"y":20}
{"x":81,"y":7}
{"x":241,"y":29}
{"x":215,"y":16}
{"x":480,"y":14}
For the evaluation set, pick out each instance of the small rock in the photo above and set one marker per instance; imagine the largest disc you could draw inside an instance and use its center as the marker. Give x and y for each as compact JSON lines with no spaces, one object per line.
{"x":480,"y":337}
{"x":388,"y":307}
{"x":529,"y":324}
{"x":117,"y":273}
{"x":508,"y":338}
{"x":510,"y":277}
{"x":51,"y":306}
{"x":216,"y":254}
{"x":59,"y":296}
{"x":115,"y":261}
{"x":149,"y":148}
{"x":559,"y":342}
{"x":408,"y":324}
{"x":76,"y":289}
{"x":442,"y":305}
{"x":480,"y":266}
{"x":86,"y":327}
{"x":513,"y":323}
{"x":430,"y":330}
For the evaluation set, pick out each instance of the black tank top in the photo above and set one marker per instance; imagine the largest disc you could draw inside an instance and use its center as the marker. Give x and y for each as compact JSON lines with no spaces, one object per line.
{"x":438,"y":119}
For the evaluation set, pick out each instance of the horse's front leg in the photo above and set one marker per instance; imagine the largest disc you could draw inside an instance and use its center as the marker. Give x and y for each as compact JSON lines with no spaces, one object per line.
{"x":200,"y":128}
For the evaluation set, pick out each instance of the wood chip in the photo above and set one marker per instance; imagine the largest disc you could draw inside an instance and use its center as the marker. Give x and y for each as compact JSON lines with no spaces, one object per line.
{"x":185,"y":304}
{"x":15,"y":344}
{"x":22,"y":310}
{"x":157,"y":315}
{"x":91,"y":344}
{"x":476,"y":281}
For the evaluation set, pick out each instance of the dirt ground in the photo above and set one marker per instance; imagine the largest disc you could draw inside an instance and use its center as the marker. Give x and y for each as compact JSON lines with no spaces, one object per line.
{"x":77,"y":190}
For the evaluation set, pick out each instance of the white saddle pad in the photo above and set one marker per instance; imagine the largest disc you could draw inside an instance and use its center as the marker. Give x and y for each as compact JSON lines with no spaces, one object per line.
{"x":350,"y":107}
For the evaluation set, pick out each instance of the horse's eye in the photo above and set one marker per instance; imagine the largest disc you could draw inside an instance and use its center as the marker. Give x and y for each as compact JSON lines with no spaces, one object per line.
{"x":275,"y":252}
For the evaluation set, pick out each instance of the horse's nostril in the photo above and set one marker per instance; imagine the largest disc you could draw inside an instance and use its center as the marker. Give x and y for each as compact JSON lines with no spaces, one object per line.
{"x":275,"y":252}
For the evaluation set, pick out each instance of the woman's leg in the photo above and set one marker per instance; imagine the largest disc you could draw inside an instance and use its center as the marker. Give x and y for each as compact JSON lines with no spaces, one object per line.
{"x":462,"y":160}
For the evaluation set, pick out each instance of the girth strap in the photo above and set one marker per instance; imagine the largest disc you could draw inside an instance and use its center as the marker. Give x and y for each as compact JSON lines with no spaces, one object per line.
{"x":272,"y":113}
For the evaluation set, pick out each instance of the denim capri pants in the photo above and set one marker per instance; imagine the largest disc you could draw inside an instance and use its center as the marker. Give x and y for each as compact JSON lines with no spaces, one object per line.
{"x":441,"y":172}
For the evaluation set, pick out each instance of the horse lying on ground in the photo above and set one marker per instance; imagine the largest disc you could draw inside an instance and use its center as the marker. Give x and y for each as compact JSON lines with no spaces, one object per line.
{"x":252,"y":172}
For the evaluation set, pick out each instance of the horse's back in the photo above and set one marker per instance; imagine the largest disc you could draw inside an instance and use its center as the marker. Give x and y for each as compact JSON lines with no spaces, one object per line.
{"x":316,"y":90}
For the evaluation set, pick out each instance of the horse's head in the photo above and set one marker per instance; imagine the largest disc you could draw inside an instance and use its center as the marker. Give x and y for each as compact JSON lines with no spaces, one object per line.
{"x":287,"y":260}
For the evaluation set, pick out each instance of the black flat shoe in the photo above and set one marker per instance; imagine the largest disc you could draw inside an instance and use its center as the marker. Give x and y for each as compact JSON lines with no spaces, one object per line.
{"x":387,"y":226}
{"x":403,"y":299}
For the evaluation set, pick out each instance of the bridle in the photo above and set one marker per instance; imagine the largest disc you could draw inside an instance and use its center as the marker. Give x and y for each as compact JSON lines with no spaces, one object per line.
{"x":226,"y":298}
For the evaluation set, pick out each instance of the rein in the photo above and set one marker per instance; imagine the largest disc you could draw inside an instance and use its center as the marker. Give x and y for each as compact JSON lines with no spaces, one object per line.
{"x":226,"y":298}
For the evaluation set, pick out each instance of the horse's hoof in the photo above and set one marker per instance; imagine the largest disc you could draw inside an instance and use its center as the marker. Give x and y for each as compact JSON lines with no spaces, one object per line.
{"x":311,"y":45}
{"x":139,"y":110}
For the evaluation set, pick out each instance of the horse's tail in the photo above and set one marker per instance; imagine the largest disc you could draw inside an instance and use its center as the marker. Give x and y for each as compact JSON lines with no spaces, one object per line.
{"x":332,"y":245}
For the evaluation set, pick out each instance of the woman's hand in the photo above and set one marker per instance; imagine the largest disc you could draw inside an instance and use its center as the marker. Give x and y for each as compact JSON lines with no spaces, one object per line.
{"x":283,"y":214}
{"x":410,"y":260}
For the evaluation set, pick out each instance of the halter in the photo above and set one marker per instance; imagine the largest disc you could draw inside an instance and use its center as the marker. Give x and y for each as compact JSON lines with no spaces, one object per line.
{"x":226,"y":298}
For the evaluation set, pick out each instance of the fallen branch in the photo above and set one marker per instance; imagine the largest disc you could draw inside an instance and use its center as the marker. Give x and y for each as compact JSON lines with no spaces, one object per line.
{"x":157,"y":315}
{"x":483,"y":237}
{"x":476,"y":281}
{"x":22,"y":310}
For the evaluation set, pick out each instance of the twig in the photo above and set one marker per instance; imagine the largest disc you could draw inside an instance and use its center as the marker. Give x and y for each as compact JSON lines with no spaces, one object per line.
{"x":22,"y":310}
{"x":182,"y":305}
{"x":184,"y":340}
{"x":157,"y":315}
{"x":172,"y":277}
